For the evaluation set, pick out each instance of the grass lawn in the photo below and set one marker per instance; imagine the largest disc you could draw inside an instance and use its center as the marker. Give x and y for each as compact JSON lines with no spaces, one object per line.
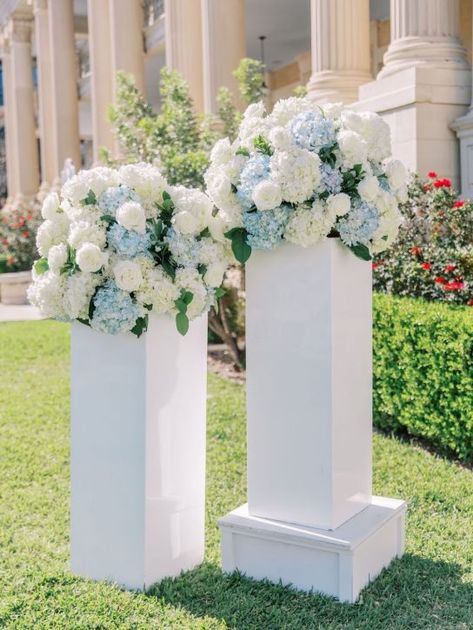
{"x":431,"y":587}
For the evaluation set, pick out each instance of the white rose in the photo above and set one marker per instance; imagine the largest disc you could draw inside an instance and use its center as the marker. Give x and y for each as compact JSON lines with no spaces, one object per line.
{"x":128,"y":275}
{"x":57,"y":257}
{"x":90,"y":258}
{"x":132,"y":216}
{"x":50,"y":206}
{"x":186,"y":223}
{"x":214,"y":275}
{"x":338,"y":205}
{"x":396,"y":173}
{"x":368,"y":188}
{"x":267,"y":195}
{"x":353,"y":148}
{"x":222,"y":152}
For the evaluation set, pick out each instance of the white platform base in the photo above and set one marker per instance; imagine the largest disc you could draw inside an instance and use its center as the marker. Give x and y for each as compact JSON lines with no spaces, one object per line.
{"x":337,"y":562}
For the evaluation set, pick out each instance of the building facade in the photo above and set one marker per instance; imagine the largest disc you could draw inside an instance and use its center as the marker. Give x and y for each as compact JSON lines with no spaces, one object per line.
{"x":409,"y":60}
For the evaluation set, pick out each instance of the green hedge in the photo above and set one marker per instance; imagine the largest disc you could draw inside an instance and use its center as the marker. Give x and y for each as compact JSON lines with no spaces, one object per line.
{"x":423,"y":372}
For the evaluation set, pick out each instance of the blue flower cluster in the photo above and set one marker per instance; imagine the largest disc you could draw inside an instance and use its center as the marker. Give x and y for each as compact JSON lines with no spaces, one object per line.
{"x":359,"y":225}
{"x":128,"y":242}
{"x":312,"y":131}
{"x":112,"y":198}
{"x":254,"y":171}
{"x":331,"y":179}
{"x":185,"y":249}
{"x":265,"y":229}
{"x":115,"y":312}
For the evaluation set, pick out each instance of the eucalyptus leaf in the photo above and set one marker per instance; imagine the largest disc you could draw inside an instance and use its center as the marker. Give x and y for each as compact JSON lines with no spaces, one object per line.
{"x":182,"y":323}
{"x":361,"y":251}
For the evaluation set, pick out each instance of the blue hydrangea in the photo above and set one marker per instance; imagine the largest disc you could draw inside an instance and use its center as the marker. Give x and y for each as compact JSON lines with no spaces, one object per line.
{"x":112,"y":198}
{"x":265,"y":229}
{"x":185,"y":249}
{"x":255,"y":170}
{"x":115,"y":312}
{"x":331,"y":179}
{"x":359,"y":225}
{"x":128,"y":243}
{"x":312,"y":131}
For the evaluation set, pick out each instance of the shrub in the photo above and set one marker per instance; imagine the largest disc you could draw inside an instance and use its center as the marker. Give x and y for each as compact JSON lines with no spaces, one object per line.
{"x":433,"y":256}
{"x":18,"y":225}
{"x":423,"y":372}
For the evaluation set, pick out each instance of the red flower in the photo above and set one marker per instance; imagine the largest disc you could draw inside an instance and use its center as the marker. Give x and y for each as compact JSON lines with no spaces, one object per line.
{"x":453,"y":286}
{"x":416,"y":251}
{"x":25,"y":234}
{"x":459,"y":203}
{"x":432,"y":174}
{"x":440,"y":280}
{"x":375,"y":265}
{"x":427,"y":266}
{"x":450,"y":268}
{"x":470,"y":302}
{"x":442,"y":183}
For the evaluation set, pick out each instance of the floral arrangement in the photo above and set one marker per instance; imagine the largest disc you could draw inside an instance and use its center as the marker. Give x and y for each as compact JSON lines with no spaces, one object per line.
{"x":305,"y":172}
{"x":433,"y":256}
{"x":117,"y":244}
{"x":18,"y":224}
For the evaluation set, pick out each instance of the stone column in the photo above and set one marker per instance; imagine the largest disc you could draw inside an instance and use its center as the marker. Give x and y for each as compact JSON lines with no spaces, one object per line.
{"x":183,"y":35}
{"x":424,"y":86}
{"x":45,"y":111}
{"x":223,"y":38}
{"x":25,"y":154}
{"x":64,"y":74}
{"x":340,"y":49}
{"x":10,"y":146}
{"x":126,"y":24}
{"x":101,"y":74}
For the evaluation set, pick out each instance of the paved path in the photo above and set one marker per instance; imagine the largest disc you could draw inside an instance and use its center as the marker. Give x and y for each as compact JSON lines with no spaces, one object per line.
{"x":13,"y":313}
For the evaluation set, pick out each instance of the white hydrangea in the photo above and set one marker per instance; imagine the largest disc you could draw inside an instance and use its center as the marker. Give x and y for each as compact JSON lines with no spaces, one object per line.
{"x":267,"y":195}
{"x":46,"y":293}
{"x":338,"y":205}
{"x":190,"y":280}
{"x":84,"y":232}
{"x":287,"y":108}
{"x":90,"y":258}
{"x":297,"y":173}
{"x":51,"y":232}
{"x":308,"y":225}
{"x":77,"y":188}
{"x":254,"y":124}
{"x":127,"y":274}
{"x":78,"y":291}
{"x":145,"y":179}
{"x":222,"y":152}
{"x":353,"y":148}
{"x":193,"y":210}
{"x":368,"y":188}
{"x":396,"y":173}
{"x":281,"y":139}
{"x":373,"y":130}
{"x":214,"y":274}
{"x":132,"y":216}
{"x":333,"y":111}
{"x":51,"y":206}
{"x":57,"y":257}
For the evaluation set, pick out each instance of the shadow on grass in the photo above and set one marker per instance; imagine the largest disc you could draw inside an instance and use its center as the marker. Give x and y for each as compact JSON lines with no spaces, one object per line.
{"x":413,"y":593}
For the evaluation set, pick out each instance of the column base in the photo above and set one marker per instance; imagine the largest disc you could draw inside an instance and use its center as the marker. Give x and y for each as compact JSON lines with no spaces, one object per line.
{"x":337,"y":562}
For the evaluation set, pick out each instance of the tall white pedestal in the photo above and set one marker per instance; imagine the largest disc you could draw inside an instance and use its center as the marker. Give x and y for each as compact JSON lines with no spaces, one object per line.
{"x":311,"y":519}
{"x":138,"y":452}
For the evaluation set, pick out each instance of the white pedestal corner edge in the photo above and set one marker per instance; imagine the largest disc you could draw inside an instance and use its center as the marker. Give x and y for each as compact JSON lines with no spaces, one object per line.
{"x":339,"y":562}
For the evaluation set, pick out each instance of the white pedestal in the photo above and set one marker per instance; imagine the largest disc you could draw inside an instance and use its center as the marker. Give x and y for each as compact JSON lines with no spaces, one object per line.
{"x":309,"y":423}
{"x":138,"y":452}
{"x":464,"y":129}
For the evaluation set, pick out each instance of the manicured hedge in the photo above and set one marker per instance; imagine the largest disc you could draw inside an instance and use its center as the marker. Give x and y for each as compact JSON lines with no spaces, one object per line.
{"x":423,"y":372}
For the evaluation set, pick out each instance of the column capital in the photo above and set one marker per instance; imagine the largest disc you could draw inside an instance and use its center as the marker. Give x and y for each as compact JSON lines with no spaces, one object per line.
{"x":20,"y":28}
{"x":39,"y":5}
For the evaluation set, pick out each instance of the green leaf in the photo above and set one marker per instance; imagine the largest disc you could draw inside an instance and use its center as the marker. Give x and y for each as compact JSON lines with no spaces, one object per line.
{"x":242,"y":151}
{"x":166,"y":196}
{"x":205,"y":233}
{"x":240,"y":248}
{"x":141,"y":326}
{"x":220,"y":292}
{"x":41,"y":266}
{"x":187,"y":297}
{"x":182,"y":323}
{"x":83,"y":321}
{"x":168,"y":266}
{"x":91,"y":199}
{"x":361,"y":251}
{"x":108,"y":218}
{"x":262,"y":145}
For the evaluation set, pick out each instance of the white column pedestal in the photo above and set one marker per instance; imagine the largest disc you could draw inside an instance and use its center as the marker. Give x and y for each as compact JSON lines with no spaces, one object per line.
{"x":310,"y":520}
{"x":138,"y":452}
